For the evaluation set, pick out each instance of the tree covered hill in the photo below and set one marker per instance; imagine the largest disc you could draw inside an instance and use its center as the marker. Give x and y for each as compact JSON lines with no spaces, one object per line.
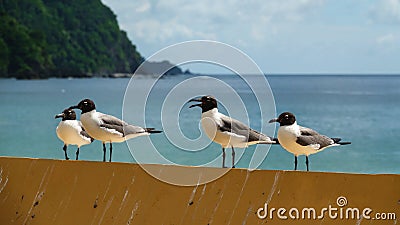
{"x":60,"y":38}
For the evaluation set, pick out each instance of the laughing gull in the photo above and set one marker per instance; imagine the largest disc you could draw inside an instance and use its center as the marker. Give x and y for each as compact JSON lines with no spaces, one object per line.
{"x":300,"y":140}
{"x":107,"y":128}
{"x":225,"y":130}
{"x":71,"y":132}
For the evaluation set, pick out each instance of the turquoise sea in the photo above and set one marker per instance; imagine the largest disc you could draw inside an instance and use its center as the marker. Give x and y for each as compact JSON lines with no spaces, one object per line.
{"x":362,"y":109}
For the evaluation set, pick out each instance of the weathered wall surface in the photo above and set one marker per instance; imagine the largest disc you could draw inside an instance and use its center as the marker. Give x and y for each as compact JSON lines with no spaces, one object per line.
{"x":40,"y":191}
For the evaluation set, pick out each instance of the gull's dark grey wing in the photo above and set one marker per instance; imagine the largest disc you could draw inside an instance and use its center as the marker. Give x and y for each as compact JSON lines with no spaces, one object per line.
{"x":85,"y":134}
{"x":118,"y":128}
{"x":239,"y":128}
{"x":307,"y":131}
{"x":313,"y":138}
{"x":124,"y":130}
{"x":131,"y":129}
{"x":112,"y":122}
{"x":152,"y":130}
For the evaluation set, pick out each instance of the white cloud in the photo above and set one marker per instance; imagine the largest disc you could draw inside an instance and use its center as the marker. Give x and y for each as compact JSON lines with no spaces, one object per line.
{"x":386,"y":11}
{"x":290,"y":36}
{"x":144,"y":7}
{"x":387,"y":39}
{"x":158,"y":21}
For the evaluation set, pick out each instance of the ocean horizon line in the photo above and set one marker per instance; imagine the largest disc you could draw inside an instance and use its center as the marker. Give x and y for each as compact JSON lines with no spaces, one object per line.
{"x":228,"y":74}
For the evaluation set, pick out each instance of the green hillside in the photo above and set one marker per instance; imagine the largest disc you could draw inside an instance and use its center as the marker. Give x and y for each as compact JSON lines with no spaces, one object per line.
{"x":58,"y":38}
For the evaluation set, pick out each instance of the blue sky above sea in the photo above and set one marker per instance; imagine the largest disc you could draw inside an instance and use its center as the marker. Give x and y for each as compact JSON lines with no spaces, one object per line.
{"x":292,"y":36}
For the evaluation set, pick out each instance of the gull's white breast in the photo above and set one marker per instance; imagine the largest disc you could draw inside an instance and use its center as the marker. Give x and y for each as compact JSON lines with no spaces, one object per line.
{"x":287,"y":136}
{"x":69,"y":132}
{"x":210,"y":121}
{"x":91,"y":122}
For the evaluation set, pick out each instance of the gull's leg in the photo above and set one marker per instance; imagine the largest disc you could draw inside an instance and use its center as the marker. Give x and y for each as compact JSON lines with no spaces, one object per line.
{"x":110,"y":150}
{"x":307,"y":162}
{"x":65,"y":151}
{"x":233,"y":157}
{"x":223,"y":157}
{"x":104,"y":151}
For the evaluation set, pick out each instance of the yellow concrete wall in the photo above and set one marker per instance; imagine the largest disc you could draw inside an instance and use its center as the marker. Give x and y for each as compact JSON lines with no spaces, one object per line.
{"x":41,"y":191}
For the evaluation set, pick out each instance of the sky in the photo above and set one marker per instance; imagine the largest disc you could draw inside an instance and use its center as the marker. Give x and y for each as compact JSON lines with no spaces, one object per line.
{"x":281,"y":36}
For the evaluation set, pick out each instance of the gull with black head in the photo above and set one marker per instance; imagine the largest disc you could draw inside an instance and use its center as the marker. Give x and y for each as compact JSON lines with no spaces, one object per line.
{"x":107,"y":128}
{"x":225,"y":130}
{"x":71,"y":132}
{"x":300,"y":140}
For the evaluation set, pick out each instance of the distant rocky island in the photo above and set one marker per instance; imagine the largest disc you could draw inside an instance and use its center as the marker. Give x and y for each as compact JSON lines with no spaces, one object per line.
{"x":149,"y":68}
{"x":163,"y":67}
{"x":46,"y":38}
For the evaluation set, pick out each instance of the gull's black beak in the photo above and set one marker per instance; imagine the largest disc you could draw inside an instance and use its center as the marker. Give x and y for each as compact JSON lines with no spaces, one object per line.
{"x":199,"y":105}
{"x":195,"y":100}
{"x":59,"y":116}
{"x":273,"y":120}
{"x":74,"y":107}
